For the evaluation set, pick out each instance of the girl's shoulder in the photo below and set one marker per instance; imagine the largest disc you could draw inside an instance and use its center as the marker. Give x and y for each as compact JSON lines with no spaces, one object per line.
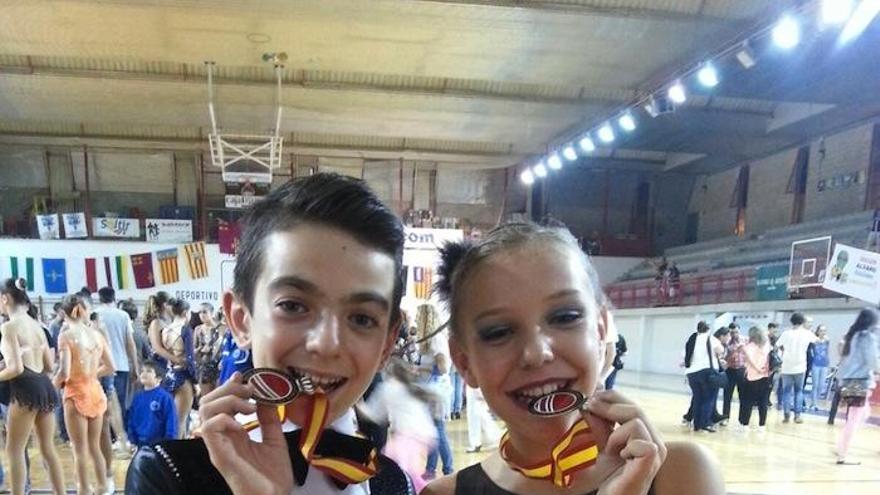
{"x":689,"y":468}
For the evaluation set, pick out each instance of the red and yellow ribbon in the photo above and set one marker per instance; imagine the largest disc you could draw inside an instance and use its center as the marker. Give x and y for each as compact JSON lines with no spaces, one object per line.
{"x":565,"y":459}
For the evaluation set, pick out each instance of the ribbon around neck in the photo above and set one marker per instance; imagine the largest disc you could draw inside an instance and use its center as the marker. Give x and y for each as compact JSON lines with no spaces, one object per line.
{"x":565,"y":459}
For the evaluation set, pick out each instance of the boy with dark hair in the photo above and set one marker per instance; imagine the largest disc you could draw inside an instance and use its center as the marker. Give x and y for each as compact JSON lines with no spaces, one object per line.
{"x":151,"y":417}
{"x":316,"y":294}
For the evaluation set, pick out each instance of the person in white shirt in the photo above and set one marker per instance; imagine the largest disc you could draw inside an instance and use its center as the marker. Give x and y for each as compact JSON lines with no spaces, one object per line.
{"x":793,"y":344}
{"x":701,"y":357}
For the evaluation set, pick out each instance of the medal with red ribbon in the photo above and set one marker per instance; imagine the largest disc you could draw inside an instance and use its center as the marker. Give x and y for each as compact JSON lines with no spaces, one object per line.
{"x":567,"y":457}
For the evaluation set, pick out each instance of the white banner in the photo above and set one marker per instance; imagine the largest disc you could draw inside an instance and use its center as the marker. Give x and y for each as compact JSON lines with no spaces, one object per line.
{"x":854,"y":272}
{"x":165,"y":230}
{"x":430,"y":238}
{"x":116,"y":227}
{"x":75,"y":225}
{"x":237,"y":201}
{"x":48,"y":226}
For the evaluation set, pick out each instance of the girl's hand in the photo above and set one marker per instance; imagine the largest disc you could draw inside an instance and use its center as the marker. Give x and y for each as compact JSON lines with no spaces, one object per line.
{"x":635,"y":441}
{"x":249,"y":467}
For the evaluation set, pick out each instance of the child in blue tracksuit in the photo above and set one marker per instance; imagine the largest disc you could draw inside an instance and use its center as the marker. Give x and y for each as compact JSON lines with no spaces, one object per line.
{"x":152,"y":416}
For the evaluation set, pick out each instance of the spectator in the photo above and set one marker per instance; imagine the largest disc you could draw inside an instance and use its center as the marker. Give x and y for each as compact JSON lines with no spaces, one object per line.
{"x":152,"y":416}
{"x":699,"y":359}
{"x":755,"y":390}
{"x":793,"y":345}
{"x":858,"y":370}
{"x":819,"y":370}
{"x":736,"y":368}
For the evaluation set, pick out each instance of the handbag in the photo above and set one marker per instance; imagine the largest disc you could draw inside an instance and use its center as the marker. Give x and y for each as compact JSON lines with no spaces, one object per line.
{"x":717,"y":378}
{"x":854,"y":391}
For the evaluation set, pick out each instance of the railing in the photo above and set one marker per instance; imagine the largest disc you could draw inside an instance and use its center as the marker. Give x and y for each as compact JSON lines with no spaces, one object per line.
{"x":735,"y":285}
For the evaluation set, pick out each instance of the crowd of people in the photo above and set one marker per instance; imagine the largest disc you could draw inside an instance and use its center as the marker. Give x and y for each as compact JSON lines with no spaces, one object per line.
{"x":725,"y":361}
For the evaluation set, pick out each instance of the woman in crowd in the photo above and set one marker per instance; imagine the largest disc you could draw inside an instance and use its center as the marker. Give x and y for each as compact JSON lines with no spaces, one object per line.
{"x":176,"y":346}
{"x":84,"y":357}
{"x":700,"y":359}
{"x":433,"y":367}
{"x":819,"y":365}
{"x":208,"y":337}
{"x":27,"y":362}
{"x":755,"y":389}
{"x":157,"y":316}
{"x":858,"y":370}
{"x":526,"y":323}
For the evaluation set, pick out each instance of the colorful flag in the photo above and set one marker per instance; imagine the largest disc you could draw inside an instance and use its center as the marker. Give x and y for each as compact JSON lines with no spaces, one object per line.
{"x":55,"y":275}
{"x":422,"y":282}
{"x":168,"y":271}
{"x":48,"y":226}
{"x":228,"y":235}
{"x":91,"y":275}
{"x":196,"y":260}
{"x":108,"y":271}
{"x":142,"y":266}
{"x":28,"y":270}
{"x":75,"y":225}
{"x":122,"y":281}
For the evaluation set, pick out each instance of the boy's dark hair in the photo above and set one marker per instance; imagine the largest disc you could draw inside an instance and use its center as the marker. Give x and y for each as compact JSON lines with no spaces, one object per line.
{"x":158,"y":369}
{"x":326,"y":199}
{"x":772,"y":325}
{"x":85,"y":292}
{"x":56,"y":307}
{"x":130,"y":308}
{"x":721,"y":332}
{"x":106,"y":295}
{"x":797,"y":319}
{"x":702,"y":327}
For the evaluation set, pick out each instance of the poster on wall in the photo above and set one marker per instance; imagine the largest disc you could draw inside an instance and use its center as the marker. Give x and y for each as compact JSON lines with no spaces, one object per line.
{"x":771,"y":282}
{"x":75,"y":225}
{"x":430,"y":239}
{"x":809,"y":260}
{"x":246,"y":182}
{"x":48,"y":226}
{"x":854,"y":272}
{"x":165,"y":230}
{"x":116,"y":227}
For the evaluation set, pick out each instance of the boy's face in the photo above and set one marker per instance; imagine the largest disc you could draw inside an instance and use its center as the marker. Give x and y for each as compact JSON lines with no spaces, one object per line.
{"x":322,"y":308}
{"x":148,"y":377}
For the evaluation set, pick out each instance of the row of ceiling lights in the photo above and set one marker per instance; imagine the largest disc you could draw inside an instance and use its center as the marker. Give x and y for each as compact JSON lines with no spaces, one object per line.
{"x":853,"y":15}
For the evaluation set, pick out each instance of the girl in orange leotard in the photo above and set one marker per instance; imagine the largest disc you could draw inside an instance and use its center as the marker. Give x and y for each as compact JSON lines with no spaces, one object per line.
{"x":84,"y":358}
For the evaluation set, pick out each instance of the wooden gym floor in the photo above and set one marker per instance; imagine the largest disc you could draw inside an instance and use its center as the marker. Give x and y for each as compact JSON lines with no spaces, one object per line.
{"x":788,"y":459}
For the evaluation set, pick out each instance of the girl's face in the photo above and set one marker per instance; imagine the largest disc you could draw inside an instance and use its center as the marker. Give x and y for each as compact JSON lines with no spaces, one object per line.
{"x":528,"y":324}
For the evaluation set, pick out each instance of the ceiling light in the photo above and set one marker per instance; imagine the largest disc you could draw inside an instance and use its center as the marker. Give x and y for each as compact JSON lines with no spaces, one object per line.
{"x":554,"y":162}
{"x":540,"y":170}
{"x":836,"y":11}
{"x":707,"y":75}
{"x":787,"y":33}
{"x":527,"y":177}
{"x":861,"y":18}
{"x":658,"y":105}
{"x":587,"y":144}
{"x":745,"y":56}
{"x":676,"y":93}
{"x":569,"y":153}
{"x":627,"y":122}
{"x":606,"y":133}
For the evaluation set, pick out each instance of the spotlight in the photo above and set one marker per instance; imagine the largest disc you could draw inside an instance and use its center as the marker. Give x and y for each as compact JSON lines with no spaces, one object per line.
{"x":658,"y":105}
{"x":745,"y":56}
{"x":554,"y":162}
{"x":569,"y":153}
{"x":861,"y":18}
{"x":627,"y":122}
{"x":587,"y":144}
{"x":787,"y":33}
{"x":540,"y":170}
{"x":527,"y":177}
{"x":836,"y":11}
{"x":676,"y":93}
{"x":606,"y":133}
{"x":708,"y":76}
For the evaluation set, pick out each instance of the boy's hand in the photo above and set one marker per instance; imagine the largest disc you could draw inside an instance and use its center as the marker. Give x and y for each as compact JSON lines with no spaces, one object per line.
{"x":249,"y":467}
{"x":635,"y":441}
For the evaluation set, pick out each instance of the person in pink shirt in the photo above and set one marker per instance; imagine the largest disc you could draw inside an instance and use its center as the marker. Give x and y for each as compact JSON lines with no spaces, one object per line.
{"x":756,"y":386}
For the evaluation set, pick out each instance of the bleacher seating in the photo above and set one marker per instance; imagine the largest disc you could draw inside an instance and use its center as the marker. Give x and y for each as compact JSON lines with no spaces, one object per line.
{"x":772,"y":246}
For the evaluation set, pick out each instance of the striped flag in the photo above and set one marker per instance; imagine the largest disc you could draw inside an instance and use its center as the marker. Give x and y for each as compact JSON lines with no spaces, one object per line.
{"x":422,"y":282}
{"x":27,"y":274}
{"x":196,"y":260}
{"x":168,"y":270}
{"x":122,"y":280}
{"x":91,"y":275}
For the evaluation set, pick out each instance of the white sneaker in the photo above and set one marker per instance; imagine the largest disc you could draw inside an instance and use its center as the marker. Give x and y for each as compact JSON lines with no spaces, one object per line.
{"x":762,"y":429}
{"x":111,"y":485}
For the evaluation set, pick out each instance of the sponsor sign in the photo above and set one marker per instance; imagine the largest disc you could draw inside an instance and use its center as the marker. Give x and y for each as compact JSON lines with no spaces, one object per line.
{"x":165,"y":230}
{"x":854,"y":272}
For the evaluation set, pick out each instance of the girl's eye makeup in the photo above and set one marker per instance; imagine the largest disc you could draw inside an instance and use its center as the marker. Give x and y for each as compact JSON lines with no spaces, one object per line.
{"x":566,"y":316}
{"x":494,"y":334}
